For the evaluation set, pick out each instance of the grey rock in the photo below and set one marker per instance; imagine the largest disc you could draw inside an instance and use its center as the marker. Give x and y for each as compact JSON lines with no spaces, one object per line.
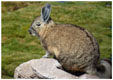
{"x":42,"y":69}
{"x":88,"y":76}
{"x":25,"y":71}
{"x":45,"y":68}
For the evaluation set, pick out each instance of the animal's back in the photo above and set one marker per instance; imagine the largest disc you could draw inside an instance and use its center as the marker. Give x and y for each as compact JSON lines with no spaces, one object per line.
{"x":74,"y":47}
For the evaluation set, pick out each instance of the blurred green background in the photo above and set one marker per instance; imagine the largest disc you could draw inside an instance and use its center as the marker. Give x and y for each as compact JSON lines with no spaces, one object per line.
{"x":18,"y":46}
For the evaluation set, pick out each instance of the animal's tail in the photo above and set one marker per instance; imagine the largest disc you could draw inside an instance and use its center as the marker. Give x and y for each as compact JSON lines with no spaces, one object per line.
{"x":104,"y":69}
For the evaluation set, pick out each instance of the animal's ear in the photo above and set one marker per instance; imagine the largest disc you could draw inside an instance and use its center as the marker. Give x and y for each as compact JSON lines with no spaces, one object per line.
{"x":45,"y":13}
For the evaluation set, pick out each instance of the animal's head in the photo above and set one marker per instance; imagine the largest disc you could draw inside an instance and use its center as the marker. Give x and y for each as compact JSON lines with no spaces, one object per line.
{"x":41,"y":21}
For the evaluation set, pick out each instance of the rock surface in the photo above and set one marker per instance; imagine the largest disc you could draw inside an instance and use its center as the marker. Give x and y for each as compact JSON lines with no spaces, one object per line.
{"x":41,"y":69}
{"x":87,"y":76}
{"x":25,"y":71}
{"x":44,"y":69}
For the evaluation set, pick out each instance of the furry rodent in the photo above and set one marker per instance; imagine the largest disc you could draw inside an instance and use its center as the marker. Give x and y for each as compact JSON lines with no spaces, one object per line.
{"x":73,"y":46}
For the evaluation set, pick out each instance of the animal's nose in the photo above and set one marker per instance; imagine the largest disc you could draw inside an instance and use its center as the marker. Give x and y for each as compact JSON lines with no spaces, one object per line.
{"x":29,"y":31}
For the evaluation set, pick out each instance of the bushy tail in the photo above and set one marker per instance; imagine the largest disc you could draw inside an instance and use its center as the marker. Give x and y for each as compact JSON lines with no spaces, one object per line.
{"x":104,"y":69}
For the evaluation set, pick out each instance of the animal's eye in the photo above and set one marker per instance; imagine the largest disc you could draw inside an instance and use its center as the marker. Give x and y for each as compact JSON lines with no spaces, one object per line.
{"x":38,"y":24}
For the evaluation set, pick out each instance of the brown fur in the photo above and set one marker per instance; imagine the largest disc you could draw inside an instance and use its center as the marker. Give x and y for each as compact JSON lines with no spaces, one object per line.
{"x":72,"y":45}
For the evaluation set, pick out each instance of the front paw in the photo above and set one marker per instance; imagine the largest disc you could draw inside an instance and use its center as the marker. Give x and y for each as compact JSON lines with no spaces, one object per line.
{"x":59,"y":66}
{"x":45,"y":56}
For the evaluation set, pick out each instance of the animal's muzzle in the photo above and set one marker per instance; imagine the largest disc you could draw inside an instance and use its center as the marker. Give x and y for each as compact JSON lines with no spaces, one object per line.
{"x":30,"y":32}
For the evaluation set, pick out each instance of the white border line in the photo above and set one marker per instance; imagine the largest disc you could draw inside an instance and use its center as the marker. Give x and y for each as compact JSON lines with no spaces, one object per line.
{"x":51,"y":0}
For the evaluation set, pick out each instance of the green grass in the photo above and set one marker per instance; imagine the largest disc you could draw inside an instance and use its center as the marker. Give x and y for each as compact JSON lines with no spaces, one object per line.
{"x":18,"y":46}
